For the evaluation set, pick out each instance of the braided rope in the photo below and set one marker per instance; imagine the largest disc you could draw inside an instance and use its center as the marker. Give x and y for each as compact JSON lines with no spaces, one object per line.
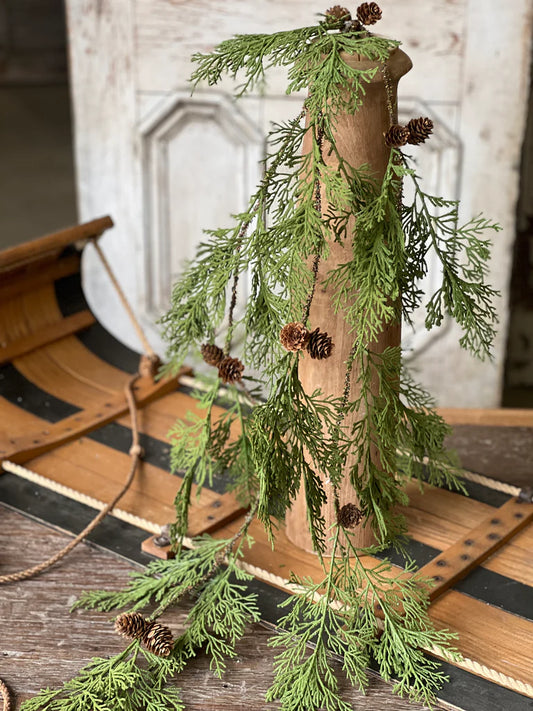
{"x":491,"y":483}
{"x":4,"y":692}
{"x":136,"y":453}
{"x":523,"y":687}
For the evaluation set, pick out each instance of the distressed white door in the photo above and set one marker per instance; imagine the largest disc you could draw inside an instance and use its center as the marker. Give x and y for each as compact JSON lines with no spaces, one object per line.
{"x":166,"y":165}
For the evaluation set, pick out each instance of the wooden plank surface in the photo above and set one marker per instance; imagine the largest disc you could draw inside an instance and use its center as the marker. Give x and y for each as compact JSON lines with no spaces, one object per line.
{"x":44,"y":645}
{"x":468,"y":552}
{"x":35,"y":276}
{"x":99,"y":471}
{"x":53,"y":243}
{"x":497,"y":417}
{"x":45,"y":335}
{"x":36,"y":443}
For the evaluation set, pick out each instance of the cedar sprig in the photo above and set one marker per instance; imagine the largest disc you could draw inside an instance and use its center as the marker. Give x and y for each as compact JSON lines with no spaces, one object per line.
{"x":133,"y":680}
{"x":161,"y":580}
{"x":331,"y":630}
{"x":464,"y":253}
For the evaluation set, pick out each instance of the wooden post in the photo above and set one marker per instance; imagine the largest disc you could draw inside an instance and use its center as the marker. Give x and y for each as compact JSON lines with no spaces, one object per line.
{"x":359,"y":140}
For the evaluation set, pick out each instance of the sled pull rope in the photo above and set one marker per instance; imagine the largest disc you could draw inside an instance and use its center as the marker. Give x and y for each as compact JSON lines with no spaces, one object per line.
{"x":123,"y":300}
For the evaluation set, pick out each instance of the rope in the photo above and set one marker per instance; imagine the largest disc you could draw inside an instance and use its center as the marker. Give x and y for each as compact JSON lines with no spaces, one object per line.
{"x":4,"y":691}
{"x":124,"y":301}
{"x":523,"y":687}
{"x":136,"y":454}
{"x":491,"y":483}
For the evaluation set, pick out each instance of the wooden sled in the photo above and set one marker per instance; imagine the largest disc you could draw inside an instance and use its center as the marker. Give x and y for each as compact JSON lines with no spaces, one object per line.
{"x":65,"y":431}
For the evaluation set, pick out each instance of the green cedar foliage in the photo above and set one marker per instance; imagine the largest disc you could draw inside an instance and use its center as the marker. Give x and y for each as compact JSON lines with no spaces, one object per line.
{"x":134,"y":680}
{"x":271,"y":436}
{"x":332,"y":629}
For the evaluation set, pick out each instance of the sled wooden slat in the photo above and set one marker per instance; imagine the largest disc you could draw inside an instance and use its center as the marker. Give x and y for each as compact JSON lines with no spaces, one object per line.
{"x":52,"y":244}
{"x":65,"y":327}
{"x":33,"y":276}
{"x":23,"y":449}
{"x":471,"y":550}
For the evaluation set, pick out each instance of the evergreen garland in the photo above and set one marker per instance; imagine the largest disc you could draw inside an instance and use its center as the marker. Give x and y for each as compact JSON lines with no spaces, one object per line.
{"x":286,"y":435}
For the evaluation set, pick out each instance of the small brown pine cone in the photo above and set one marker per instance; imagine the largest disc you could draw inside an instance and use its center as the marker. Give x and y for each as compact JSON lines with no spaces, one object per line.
{"x":369,"y":13}
{"x":131,"y":625}
{"x":397,"y":136}
{"x":349,"y":516}
{"x":212,"y":355}
{"x":294,"y":336}
{"x":230,"y":370}
{"x":419,"y":130}
{"x":158,"y":639}
{"x":337,"y":14}
{"x":320,"y":345}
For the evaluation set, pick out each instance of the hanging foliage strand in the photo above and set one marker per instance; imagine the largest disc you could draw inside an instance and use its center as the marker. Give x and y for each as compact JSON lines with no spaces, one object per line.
{"x":270,"y":436}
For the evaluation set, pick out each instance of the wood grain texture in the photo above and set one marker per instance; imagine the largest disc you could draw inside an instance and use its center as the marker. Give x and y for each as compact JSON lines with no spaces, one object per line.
{"x":44,"y":645}
{"x":44,"y":336}
{"x":54,"y":243}
{"x":495,"y":417}
{"x":72,"y":428}
{"x":454,"y":563}
{"x":32,"y":276}
{"x":359,"y":141}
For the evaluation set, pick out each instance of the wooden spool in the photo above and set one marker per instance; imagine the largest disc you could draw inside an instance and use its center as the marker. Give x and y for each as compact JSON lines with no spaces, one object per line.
{"x":359,"y":140}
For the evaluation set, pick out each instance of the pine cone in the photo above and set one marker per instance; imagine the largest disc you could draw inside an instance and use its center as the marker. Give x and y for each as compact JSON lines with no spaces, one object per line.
{"x":158,"y":639}
{"x":337,"y":14}
{"x":230,"y":370}
{"x":349,"y":516}
{"x":419,"y":129}
{"x":397,"y":136}
{"x":212,"y":355}
{"x":294,"y":336}
{"x":320,"y":345}
{"x":131,"y":625}
{"x":369,"y":13}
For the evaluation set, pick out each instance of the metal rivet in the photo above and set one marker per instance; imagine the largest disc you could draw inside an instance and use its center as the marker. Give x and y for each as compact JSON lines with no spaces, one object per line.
{"x":441,"y":563}
{"x":162,"y":541}
{"x":494,"y":536}
{"x":210,"y":518}
{"x":465,"y":556}
{"x":495,"y":521}
{"x":469,"y":542}
{"x":438,"y":578}
{"x":519,"y":515}
{"x":216,"y":504}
